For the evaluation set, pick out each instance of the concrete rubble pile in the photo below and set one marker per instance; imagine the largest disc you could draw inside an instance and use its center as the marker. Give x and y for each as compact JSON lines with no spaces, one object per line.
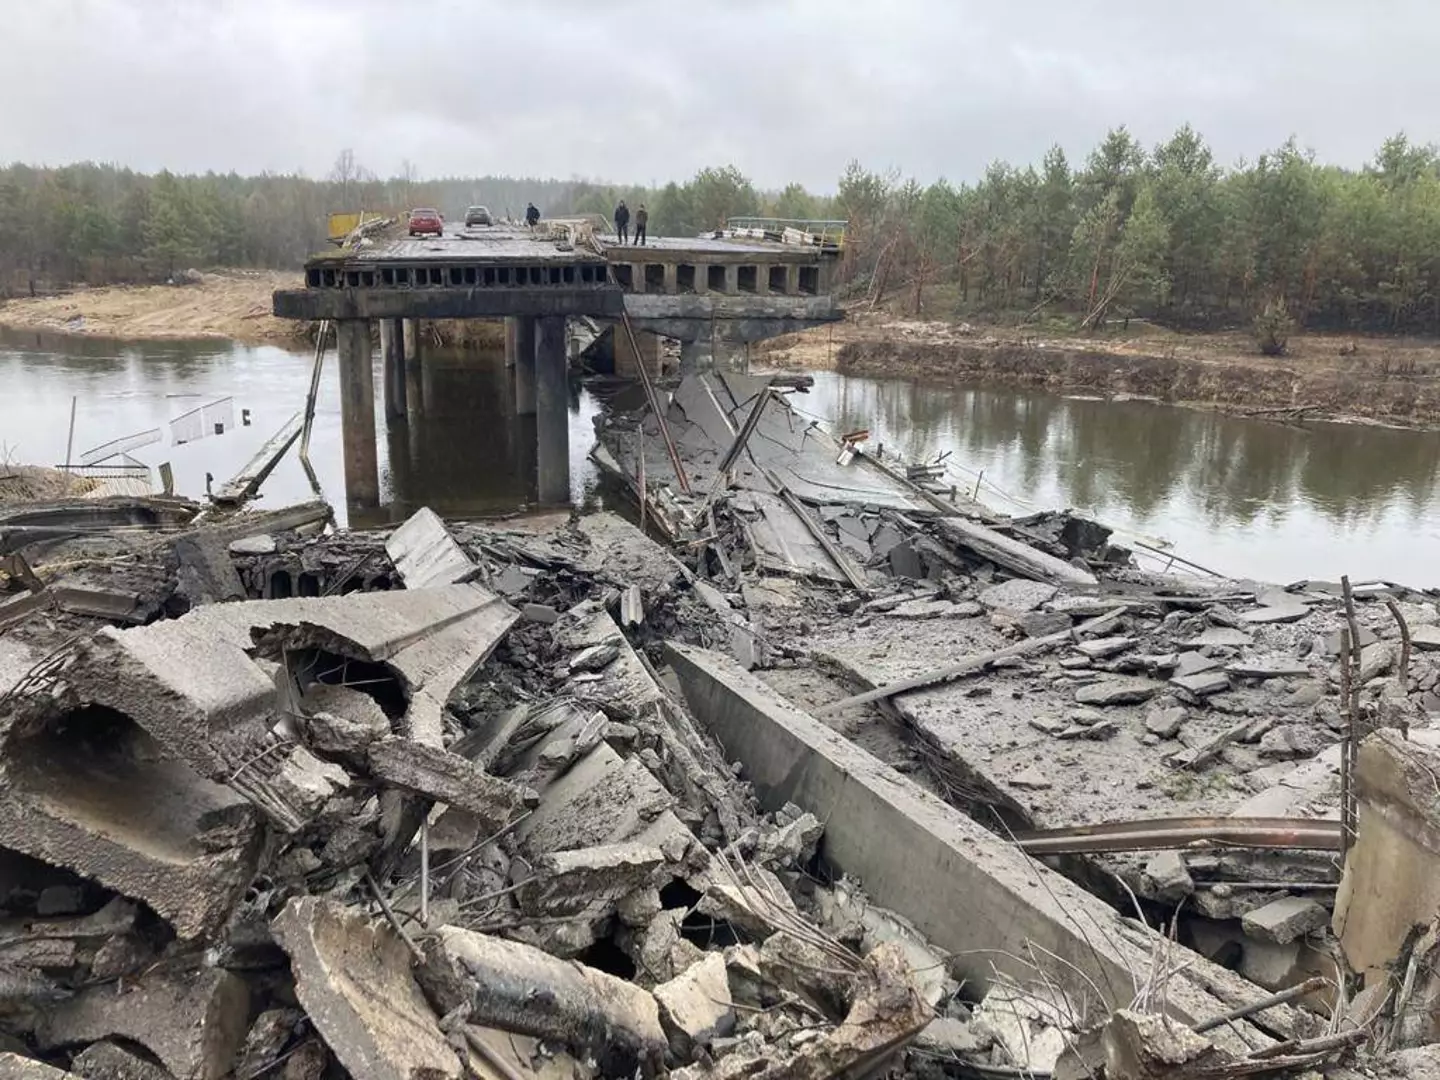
{"x":854,"y":779}
{"x":421,"y":830}
{"x":1027,"y":671}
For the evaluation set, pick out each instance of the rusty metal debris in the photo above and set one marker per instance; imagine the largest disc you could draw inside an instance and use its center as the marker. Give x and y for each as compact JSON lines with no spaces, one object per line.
{"x":1196,"y":832}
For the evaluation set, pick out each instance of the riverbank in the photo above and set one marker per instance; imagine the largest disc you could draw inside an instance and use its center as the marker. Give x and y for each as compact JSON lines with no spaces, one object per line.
{"x":230,"y":304}
{"x":233,"y":304}
{"x":1322,"y":376}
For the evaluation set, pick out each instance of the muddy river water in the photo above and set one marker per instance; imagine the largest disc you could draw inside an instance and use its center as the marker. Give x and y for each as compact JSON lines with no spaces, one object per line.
{"x":1244,"y":497}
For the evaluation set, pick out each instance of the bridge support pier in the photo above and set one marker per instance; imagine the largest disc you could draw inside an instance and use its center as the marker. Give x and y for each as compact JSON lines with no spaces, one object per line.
{"x":627,"y":361}
{"x":409,"y":341}
{"x":520,"y":345}
{"x":719,"y":355}
{"x":357,"y":413}
{"x":552,"y":412}
{"x":392,"y":365}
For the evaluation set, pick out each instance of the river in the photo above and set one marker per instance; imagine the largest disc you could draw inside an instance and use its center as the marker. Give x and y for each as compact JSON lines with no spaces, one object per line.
{"x":1248,"y":498}
{"x":471,"y":456}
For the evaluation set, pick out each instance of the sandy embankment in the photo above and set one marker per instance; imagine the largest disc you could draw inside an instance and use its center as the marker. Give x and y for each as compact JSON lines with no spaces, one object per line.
{"x":1387,"y":380}
{"x":226,"y":304}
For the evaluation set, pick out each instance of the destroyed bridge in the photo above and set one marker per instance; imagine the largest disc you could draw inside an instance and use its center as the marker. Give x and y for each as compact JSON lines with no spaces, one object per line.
{"x":715,"y":294}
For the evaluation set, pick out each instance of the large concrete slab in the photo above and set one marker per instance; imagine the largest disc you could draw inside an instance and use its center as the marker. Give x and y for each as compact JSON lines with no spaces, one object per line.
{"x":971,"y":893}
{"x":192,"y":1021}
{"x":352,"y":975}
{"x":425,"y":554}
{"x":1392,"y":874}
{"x":95,"y":793}
{"x":194,"y":685}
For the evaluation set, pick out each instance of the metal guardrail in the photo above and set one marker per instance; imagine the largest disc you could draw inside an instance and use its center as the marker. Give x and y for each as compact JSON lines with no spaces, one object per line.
{"x":829,"y":231}
{"x":107,"y":472}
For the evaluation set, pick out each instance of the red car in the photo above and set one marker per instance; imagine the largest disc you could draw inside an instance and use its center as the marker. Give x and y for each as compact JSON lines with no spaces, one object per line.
{"x":426,"y":223}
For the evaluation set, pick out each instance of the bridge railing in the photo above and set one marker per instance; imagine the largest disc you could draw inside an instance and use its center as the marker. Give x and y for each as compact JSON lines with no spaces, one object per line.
{"x":814,"y":231}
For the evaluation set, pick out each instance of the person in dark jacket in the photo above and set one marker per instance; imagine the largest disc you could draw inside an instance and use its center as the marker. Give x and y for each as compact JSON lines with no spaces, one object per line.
{"x":642,"y":218}
{"x":532,"y":215}
{"x":622,"y":221}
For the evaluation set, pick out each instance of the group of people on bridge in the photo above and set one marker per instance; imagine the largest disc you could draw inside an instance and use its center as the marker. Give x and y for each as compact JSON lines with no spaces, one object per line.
{"x":622,"y":221}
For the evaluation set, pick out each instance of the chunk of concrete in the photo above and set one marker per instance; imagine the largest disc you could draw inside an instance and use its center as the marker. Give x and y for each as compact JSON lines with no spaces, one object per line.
{"x":194,"y":685}
{"x":589,"y":1011}
{"x":1103,"y":648}
{"x":749,"y":907}
{"x":1044,"y":623}
{"x":1120,"y":691}
{"x":1147,"y":1046}
{"x":343,"y":721}
{"x":93,"y":792}
{"x":695,"y":1006}
{"x":1193,"y":663}
{"x":589,"y":881}
{"x":109,"y":1061}
{"x":263,"y":544}
{"x":1017,"y":595}
{"x":881,"y":827}
{"x":1425,"y":638}
{"x":193,"y":1022}
{"x":445,"y":777}
{"x":1205,"y":684}
{"x":1375,"y":659}
{"x":1218,"y":637}
{"x":1268,"y":667}
{"x":205,"y":573}
{"x":1167,"y":877}
{"x":543,"y":614}
{"x":307,"y":784}
{"x":1282,"y":921}
{"x":19,"y":1067}
{"x":1392,"y":875}
{"x":425,"y":555}
{"x":1165,"y":723}
{"x":352,"y":976}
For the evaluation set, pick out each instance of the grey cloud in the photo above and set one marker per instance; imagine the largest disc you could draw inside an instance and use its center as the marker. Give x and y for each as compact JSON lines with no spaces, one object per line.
{"x":649,"y":90}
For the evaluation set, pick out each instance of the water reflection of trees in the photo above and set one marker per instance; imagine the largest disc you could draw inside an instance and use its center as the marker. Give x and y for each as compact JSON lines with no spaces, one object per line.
{"x":1139,"y":458}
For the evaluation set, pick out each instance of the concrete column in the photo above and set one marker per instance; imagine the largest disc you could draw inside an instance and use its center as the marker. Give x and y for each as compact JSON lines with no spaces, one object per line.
{"x":792,"y":279}
{"x":414,"y":365}
{"x":732,"y":279}
{"x":702,"y":278}
{"x":357,"y":413}
{"x":525,"y":361}
{"x":672,"y":279}
{"x":392,"y":365}
{"x":704,"y":355}
{"x":552,"y":412}
{"x":627,"y":363}
{"x":510,"y":322}
{"x":637,"y":277}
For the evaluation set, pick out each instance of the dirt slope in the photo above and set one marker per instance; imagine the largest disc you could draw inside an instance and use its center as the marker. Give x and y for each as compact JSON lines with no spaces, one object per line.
{"x":228,"y":304}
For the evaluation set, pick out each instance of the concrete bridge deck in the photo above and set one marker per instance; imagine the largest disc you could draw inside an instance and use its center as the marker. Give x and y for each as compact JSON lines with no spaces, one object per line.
{"x":488,"y":272}
{"x":715,"y":295}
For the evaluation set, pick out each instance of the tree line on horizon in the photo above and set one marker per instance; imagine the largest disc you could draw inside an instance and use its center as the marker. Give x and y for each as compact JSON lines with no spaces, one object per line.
{"x":1164,"y":233}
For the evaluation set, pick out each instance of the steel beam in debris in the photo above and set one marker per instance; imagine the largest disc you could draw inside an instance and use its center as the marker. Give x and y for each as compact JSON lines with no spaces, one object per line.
{"x":243,"y":485}
{"x":1159,"y":834}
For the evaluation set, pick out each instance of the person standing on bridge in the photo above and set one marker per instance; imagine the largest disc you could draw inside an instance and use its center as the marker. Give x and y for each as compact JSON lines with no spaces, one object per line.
{"x":622,"y":221}
{"x":642,"y":218}
{"x":532,"y":215}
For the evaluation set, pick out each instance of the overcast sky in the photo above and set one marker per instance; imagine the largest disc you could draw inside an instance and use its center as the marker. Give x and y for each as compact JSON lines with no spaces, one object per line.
{"x":651,"y":90}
